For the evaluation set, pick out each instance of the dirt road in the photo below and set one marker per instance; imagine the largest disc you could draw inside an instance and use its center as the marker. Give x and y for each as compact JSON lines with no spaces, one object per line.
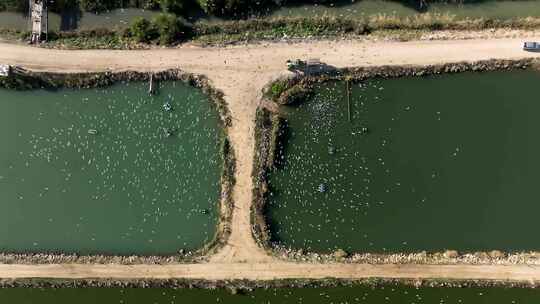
{"x":241,"y":72}
{"x":270,"y":271}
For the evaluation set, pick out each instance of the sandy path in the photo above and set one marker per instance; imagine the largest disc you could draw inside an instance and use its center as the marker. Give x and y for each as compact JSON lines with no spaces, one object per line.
{"x":241,"y":72}
{"x":270,"y":271}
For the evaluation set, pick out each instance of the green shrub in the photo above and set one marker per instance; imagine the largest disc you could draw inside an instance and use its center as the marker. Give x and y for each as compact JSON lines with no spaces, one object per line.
{"x":208,"y":6}
{"x":142,"y":30}
{"x":296,"y":94}
{"x":58,"y":6}
{"x":13,"y":5}
{"x":95,"y":6}
{"x":173,"y":6}
{"x":277,"y":88}
{"x":167,"y":28}
{"x":151,"y":4}
{"x":171,"y":28}
{"x":233,"y":8}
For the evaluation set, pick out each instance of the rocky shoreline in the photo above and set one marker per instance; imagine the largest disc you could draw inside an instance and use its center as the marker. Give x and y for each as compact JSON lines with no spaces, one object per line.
{"x":448,"y":257}
{"x":299,"y":87}
{"x":244,"y":286}
{"x":58,"y":258}
{"x":27,"y":80}
{"x":268,"y":126}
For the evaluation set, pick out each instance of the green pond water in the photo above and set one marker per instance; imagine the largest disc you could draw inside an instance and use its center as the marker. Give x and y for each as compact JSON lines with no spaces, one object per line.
{"x":433,"y":163}
{"x":70,"y":20}
{"x":339,"y":295}
{"x":129,"y":188}
{"x":365,"y":8}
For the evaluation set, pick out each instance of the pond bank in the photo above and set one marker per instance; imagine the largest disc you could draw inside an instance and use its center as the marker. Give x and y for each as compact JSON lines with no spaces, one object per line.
{"x":250,"y":285}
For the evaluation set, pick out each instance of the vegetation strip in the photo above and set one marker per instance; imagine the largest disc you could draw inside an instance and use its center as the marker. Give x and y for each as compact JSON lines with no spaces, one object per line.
{"x":335,"y":27}
{"x":167,"y":29}
{"x":270,"y":127}
{"x":26,"y":80}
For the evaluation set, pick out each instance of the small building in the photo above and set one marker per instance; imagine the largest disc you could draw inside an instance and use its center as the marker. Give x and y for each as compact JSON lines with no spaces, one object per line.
{"x":5,"y":70}
{"x":39,"y":19}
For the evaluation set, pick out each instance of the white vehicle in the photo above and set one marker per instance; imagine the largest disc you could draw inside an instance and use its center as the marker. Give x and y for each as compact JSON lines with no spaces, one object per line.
{"x":531,"y":46}
{"x":296,"y":64}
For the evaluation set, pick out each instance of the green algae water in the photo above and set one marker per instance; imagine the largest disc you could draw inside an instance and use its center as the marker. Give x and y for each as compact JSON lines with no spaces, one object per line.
{"x":73,"y":19}
{"x":108,"y":170}
{"x":342,"y":295}
{"x":426,"y":163}
{"x":366,"y":8}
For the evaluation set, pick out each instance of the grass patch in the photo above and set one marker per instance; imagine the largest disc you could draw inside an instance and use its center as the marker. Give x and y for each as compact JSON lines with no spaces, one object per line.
{"x":103,"y":42}
{"x":277,"y":88}
{"x":13,"y":34}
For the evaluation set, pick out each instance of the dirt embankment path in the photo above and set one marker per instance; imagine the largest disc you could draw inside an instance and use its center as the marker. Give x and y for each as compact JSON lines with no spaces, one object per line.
{"x":241,"y":72}
{"x":271,"y":271}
